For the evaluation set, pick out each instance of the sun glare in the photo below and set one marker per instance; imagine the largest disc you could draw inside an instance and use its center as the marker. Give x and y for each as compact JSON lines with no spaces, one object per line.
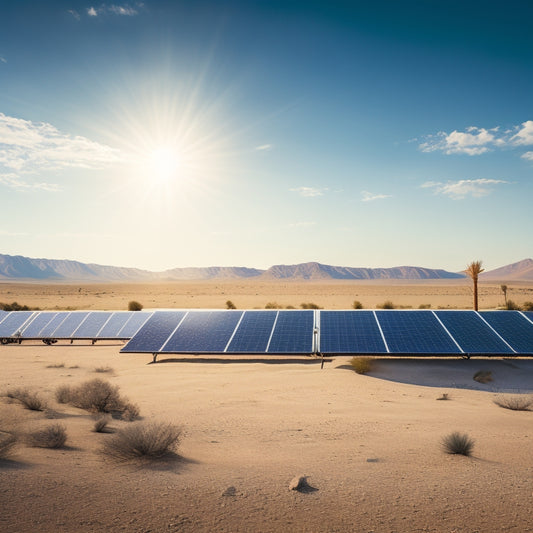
{"x":164,"y":163}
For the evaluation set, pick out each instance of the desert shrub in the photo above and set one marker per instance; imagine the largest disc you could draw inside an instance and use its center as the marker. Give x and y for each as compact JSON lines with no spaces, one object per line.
{"x":143,"y":440}
{"x":387,"y":305}
{"x":56,"y":365}
{"x":445,"y":396}
{"x":230,"y":305}
{"x":483,"y":376}
{"x":512,"y":306}
{"x":310,"y":305}
{"x":272,"y":305}
{"x":135,"y":306}
{"x":103,"y":370}
{"x":7,"y":443}
{"x":98,"y":396}
{"x":290,"y":307}
{"x":52,"y":436}
{"x":527,"y":306}
{"x":16,"y":307}
{"x":100,"y":424}
{"x":362,"y":365}
{"x":515,"y":402}
{"x":457,"y":443}
{"x":424,"y":306}
{"x":357,"y":304}
{"x":29,"y":399}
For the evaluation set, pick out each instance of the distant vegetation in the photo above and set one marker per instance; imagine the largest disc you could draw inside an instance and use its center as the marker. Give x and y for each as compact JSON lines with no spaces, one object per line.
{"x":230,"y":305}
{"x":16,"y":307}
{"x":424,"y":306}
{"x":361,"y":365}
{"x":515,"y":402}
{"x":310,"y":305}
{"x":135,"y":306}
{"x":387,"y":305}
{"x":357,"y":304}
{"x":273,"y":305}
{"x":511,"y":306}
{"x":528,"y":306}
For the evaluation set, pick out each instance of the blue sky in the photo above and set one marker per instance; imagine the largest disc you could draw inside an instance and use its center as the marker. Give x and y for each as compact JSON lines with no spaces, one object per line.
{"x":163,"y":134}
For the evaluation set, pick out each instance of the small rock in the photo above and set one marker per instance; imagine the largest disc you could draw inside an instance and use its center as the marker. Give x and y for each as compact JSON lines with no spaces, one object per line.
{"x":372,"y":460}
{"x":230,"y":491}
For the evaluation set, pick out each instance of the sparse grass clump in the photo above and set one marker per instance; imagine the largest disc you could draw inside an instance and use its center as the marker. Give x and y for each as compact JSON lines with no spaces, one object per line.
{"x":424,"y":306}
{"x":52,"y":436}
{"x":98,"y":396}
{"x":143,"y":440}
{"x":273,"y":305}
{"x":7,"y":443}
{"x":103,"y":370}
{"x":29,"y":399}
{"x":135,"y":306}
{"x":527,"y":306}
{"x":483,"y":376}
{"x":458,"y":443}
{"x":361,"y":365}
{"x":512,"y":306}
{"x":310,"y":305}
{"x":56,"y":365}
{"x":387,"y":305}
{"x":515,"y":402}
{"x":445,"y":396}
{"x":230,"y":305}
{"x":101,"y":423}
{"x":357,"y":305}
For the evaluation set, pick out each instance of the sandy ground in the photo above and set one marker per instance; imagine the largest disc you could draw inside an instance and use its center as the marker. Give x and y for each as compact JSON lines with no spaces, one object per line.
{"x":370,"y":445}
{"x":454,"y":294}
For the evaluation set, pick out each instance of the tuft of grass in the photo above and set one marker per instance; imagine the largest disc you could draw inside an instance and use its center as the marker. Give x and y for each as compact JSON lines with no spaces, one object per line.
{"x":52,"y":436}
{"x":7,"y":443}
{"x":230,"y":305}
{"x":273,"y":305}
{"x":63,"y":393}
{"x":387,"y":305}
{"x":483,"y":376}
{"x":445,"y":396}
{"x":29,"y":399}
{"x":56,"y":365}
{"x":135,"y":306}
{"x":527,"y":306}
{"x":362,"y":365}
{"x":357,"y":305}
{"x":103,"y":370}
{"x":515,"y":402}
{"x":101,"y":423}
{"x":143,"y":440}
{"x":310,"y":305}
{"x":512,"y":306}
{"x":458,"y":444}
{"x":424,"y":306}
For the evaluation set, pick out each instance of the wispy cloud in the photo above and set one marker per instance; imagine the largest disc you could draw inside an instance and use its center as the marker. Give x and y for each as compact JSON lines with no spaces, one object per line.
{"x":3,"y":59}
{"x":528,"y":156}
{"x":27,"y":148}
{"x":458,"y":190}
{"x":371,"y":197}
{"x":127,"y":10}
{"x":74,"y":13}
{"x":309,"y":192}
{"x":264,"y":148}
{"x":477,"y":141}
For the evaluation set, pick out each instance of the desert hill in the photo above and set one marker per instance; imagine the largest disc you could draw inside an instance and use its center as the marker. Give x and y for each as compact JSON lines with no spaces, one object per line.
{"x":523,"y":270}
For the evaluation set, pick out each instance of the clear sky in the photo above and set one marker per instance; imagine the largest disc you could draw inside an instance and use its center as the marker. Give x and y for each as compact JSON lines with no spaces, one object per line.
{"x":166,"y":134}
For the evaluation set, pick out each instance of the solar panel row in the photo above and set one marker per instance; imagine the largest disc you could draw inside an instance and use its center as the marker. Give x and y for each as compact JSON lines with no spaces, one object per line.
{"x":25,"y":325}
{"x":336,"y":332}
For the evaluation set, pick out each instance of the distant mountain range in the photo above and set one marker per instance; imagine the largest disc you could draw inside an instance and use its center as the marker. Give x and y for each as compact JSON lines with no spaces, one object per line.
{"x":25,"y":268}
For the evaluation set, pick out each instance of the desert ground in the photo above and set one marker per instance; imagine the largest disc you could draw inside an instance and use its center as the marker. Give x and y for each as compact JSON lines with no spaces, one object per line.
{"x":247,"y":294}
{"x":369,"y":444}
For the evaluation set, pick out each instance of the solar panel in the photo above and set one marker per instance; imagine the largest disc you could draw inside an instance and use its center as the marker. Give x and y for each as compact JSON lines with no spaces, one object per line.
{"x":253,"y":332}
{"x":529,"y":315}
{"x":350,"y":332}
{"x":90,"y":327}
{"x":513,"y":327}
{"x":472,"y":333}
{"x":13,"y":323}
{"x":134,"y":324}
{"x":154,"y":332}
{"x":203,"y":331}
{"x":115,"y":323}
{"x":415,"y":332}
{"x":39,"y":321}
{"x":70,"y":324}
{"x":293,"y":332}
{"x":48,"y":331}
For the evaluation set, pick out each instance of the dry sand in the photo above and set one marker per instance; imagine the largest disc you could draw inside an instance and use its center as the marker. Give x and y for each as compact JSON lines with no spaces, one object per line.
{"x":369,"y":444}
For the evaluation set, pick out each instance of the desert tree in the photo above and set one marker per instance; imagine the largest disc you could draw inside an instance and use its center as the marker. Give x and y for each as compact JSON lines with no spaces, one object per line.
{"x":473,"y":270}
{"x":504,"y":290}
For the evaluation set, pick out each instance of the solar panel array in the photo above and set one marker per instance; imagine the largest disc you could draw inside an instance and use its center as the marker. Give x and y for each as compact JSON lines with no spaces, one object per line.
{"x":336,"y":332}
{"x":90,"y":325}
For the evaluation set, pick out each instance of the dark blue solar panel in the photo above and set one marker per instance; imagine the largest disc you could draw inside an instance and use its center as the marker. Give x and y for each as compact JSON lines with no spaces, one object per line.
{"x":69,"y":325}
{"x":90,"y":327}
{"x":515,"y":329}
{"x":48,"y":330}
{"x":203,"y":331}
{"x":253,"y":332}
{"x":112,"y":327}
{"x":350,"y":332}
{"x":529,"y":314}
{"x":13,"y":323}
{"x":33,"y":328}
{"x":154,"y":332}
{"x":134,"y":324}
{"x":293,"y":332}
{"x":415,"y":332}
{"x":471,"y":333}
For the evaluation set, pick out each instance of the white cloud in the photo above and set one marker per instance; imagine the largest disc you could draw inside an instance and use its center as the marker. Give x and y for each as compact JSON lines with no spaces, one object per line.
{"x":28,"y":148}
{"x":524,"y":135}
{"x":3,"y":59}
{"x":123,"y":10}
{"x":309,"y":192}
{"x":92,"y":12}
{"x":370,"y":197}
{"x":460,"y":189}
{"x":264,"y":147}
{"x":528,"y":156}
{"x":114,"y":9}
{"x":74,"y":13}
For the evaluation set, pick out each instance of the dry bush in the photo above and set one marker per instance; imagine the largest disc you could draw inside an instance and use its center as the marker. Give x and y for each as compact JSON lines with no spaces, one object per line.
{"x":100,"y":424}
{"x":143,"y":440}
{"x":98,"y":396}
{"x":457,"y":443}
{"x":445,"y":396}
{"x":309,"y":305}
{"x":29,"y":399}
{"x":56,"y":365}
{"x":135,"y":306}
{"x":424,"y":306}
{"x":357,"y":305}
{"x":103,"y":370}
{"x":387,"y":305}
{"x":527,"y":306}
{"x":273,"y":305}
{"x":512,"y":306}
{"x":515,"y":402}
{"x":362,"y":365}
{"x":483,"y":376}
{"x":52,"y":436}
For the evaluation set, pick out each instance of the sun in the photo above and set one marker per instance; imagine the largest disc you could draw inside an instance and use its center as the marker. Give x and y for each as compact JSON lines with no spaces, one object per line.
{"x":164,"y":163}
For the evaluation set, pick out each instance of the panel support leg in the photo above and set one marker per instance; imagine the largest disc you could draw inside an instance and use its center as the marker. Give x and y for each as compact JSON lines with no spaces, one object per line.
{"x":154,"y":355}
{"x":322,"y":363}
